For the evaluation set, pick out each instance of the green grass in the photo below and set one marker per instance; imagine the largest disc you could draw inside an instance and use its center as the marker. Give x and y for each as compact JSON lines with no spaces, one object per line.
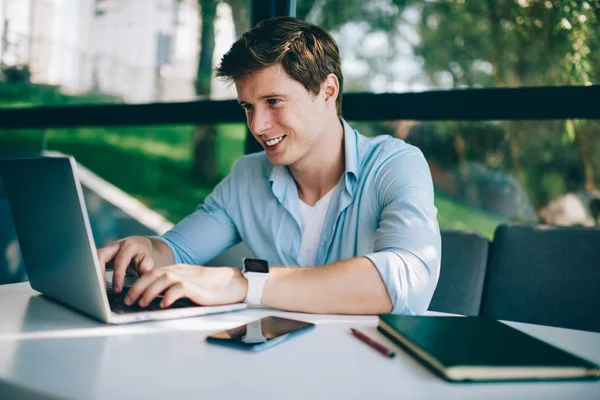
{"x":455,"y":215}
{"x":20,"y":95}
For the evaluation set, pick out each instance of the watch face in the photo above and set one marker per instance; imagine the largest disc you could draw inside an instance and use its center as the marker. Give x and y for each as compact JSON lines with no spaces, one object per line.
{"x":255,"y":265}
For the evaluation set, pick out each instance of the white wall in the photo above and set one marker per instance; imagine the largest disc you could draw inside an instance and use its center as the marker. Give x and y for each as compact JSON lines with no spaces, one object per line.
{"x":17,"y":12}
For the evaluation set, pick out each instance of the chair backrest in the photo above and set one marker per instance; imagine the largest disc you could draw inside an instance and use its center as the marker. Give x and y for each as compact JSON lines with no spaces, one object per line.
{"x":464,"y":258}
{"x":544,"y":275}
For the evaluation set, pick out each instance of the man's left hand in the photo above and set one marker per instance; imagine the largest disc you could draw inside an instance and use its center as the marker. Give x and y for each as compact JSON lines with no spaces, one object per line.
{"x":205,"y":286}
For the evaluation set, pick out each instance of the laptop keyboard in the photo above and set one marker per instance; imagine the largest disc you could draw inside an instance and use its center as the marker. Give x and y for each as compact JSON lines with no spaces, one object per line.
{"x":117,"y":305}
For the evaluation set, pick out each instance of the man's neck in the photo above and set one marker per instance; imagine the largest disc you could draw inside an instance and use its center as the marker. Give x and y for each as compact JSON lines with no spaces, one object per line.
{"x":320,"y":172}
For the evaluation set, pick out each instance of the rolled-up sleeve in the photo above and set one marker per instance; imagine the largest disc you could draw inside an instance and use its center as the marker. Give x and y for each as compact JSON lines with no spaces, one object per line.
{"x":407,"y":247}
{"x":209,"y":230}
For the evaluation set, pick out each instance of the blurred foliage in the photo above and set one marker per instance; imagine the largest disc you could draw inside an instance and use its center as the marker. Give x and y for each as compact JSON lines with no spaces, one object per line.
{"x":19,"y":74}
{"x":525,"y":42}
{"x":520,"y":43}
{"x":477,"y":43}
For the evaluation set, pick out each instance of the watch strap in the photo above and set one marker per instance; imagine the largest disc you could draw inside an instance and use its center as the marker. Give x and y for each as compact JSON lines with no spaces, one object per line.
{"x":256,"y":285}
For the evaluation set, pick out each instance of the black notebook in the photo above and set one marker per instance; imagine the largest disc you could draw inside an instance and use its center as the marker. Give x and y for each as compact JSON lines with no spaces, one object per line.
{"x":482,"y":349}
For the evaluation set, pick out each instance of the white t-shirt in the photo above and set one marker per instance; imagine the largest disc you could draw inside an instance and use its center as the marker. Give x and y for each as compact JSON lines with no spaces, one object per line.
{"x":312,"y":226}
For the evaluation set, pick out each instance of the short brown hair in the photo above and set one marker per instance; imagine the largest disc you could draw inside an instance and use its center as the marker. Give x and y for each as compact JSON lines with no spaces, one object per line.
{"x":307,"y":53}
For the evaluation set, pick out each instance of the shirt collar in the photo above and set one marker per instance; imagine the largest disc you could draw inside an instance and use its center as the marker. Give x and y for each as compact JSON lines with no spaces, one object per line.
{"x":281,"y":174}
{"x":351,"y":149}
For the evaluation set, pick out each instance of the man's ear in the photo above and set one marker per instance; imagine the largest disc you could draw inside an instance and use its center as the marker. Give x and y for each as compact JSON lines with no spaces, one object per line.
{"x":330,"y":89}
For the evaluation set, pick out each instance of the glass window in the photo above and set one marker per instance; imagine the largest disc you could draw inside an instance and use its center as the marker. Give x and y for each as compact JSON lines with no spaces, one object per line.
{"x":99,"y":49}
{"x":490,"y":172}
{"x":153,"y":164}
{"x":126,"y":51}
{"x":400,"y":46}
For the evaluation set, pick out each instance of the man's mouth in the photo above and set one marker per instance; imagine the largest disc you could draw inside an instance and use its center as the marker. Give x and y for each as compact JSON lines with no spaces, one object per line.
{"x":274,"y":141}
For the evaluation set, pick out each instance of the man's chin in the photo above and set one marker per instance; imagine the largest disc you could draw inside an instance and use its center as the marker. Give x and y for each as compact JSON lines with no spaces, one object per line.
{"x":277,"y":161}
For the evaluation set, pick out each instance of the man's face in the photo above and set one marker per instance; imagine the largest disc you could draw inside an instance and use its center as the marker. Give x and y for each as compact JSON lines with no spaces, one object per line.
{"x":284,"y":117}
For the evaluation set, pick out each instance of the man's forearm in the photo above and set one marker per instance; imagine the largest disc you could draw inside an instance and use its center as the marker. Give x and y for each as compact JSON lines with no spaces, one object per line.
{"x":352,"y":286}
{"x":161,"y":253}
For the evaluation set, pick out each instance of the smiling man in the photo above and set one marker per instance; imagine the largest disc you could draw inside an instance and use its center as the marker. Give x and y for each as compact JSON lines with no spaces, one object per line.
{"x":346,"y":223}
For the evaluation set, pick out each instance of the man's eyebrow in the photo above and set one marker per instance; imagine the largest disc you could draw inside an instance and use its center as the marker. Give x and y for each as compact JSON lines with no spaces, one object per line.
{"x":266,"y":96}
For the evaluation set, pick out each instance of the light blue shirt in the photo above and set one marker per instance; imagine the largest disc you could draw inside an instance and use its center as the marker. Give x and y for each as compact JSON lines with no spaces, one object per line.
{"x":382,"y":209}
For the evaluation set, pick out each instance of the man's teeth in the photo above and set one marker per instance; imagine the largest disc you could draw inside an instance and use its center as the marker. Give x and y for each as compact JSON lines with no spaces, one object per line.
{"x":273,"y":142}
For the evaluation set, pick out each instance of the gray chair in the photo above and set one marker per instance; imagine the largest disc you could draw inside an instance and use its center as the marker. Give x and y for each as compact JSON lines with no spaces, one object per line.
{"x":464,"y":259}
{"x":544,"y":275}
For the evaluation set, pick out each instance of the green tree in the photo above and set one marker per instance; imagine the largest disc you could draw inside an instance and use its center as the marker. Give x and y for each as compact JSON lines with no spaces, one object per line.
{"x":205,"y":166}
{"x":508,"y":43}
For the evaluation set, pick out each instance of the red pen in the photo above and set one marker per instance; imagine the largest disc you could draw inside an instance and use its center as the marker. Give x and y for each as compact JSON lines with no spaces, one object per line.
{"x":377,"y":346}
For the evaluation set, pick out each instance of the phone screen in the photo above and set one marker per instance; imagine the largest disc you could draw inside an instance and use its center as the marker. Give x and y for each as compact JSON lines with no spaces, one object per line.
{"x":261,"y":333}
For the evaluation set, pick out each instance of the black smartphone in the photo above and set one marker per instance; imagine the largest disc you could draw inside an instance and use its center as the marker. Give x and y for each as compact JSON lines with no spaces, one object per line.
{"x":260,"y":334}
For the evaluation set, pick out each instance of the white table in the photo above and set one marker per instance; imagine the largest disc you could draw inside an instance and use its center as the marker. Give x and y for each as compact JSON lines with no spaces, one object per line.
{"x":49,"y":351}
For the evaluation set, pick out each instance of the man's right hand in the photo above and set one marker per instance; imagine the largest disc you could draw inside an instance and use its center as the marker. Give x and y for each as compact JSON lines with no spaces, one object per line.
{"x":136,"y":251}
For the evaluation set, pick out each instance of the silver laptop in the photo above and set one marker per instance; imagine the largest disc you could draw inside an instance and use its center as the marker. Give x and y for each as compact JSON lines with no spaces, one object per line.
{"x":53,"y":229}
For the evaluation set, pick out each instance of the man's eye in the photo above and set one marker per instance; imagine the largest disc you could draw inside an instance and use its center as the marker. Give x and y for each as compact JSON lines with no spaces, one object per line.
{"x":247,"y":107}
{"x":272,"y":102}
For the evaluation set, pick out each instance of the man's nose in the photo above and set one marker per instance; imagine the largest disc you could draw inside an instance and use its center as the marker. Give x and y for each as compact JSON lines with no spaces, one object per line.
{"x":260,"y":121}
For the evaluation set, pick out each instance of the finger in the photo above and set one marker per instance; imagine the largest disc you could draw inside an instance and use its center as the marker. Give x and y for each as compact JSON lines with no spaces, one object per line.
{"x":141,"y":284}
{"x":174,"y":293}
{"x":121,"y":262}
{"x":157,"y":287}
{"x":144,"y":263}
{"x":105,"y":255}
